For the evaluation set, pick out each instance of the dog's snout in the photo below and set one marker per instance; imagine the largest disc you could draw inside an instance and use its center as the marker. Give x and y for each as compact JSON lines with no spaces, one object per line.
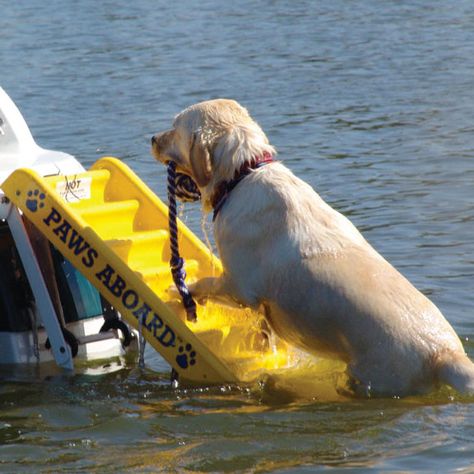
{"x":153,"y":140}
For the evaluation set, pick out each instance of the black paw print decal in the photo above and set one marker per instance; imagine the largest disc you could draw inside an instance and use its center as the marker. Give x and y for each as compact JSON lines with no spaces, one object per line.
{"x":186,"y":356}
{"x":35,"y":200}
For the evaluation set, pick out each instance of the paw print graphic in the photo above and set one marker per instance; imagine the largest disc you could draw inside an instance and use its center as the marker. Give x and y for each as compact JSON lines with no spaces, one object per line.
{"x":35,"y":200}
{"x":186,"y":356}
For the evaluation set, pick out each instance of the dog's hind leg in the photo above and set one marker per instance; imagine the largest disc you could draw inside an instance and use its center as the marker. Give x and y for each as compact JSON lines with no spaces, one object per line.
{"x":375,"y":376}
{"x":457,"y":370}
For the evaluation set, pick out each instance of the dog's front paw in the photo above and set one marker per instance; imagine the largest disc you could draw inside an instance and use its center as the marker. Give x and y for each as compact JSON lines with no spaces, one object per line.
{"x":174,"y":294}
{"x":197,"y":294}
{"x":202,"y":300}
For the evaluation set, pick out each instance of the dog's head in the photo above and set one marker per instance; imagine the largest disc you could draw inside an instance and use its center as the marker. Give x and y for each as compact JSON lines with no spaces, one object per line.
{"x":209,"y":141}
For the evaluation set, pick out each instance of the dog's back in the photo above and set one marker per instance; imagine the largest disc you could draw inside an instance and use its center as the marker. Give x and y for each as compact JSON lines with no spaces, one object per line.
{"x":328,"y":291}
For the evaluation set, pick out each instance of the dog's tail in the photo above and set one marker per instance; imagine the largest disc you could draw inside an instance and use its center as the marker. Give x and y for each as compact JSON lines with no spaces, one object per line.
{"x":457,"y":370}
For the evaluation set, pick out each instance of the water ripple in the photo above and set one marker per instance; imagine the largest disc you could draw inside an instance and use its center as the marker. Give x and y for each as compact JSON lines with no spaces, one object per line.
{"x":371,"y":105}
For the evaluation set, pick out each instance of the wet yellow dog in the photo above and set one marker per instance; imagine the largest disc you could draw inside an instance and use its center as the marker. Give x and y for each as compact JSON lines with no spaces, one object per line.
{"x":323,"y":287}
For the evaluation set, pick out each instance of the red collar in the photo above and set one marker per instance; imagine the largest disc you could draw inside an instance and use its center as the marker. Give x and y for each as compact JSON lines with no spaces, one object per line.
{"x":225,"y":187}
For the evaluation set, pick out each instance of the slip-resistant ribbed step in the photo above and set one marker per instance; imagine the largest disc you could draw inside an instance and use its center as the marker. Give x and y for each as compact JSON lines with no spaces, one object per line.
{"x":111,"y":218}
{"x":159,"y":278}
{"x":142,"y":249}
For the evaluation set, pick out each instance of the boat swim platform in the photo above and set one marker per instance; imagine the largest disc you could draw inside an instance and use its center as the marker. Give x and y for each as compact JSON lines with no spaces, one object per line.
{"x":114,"y":230}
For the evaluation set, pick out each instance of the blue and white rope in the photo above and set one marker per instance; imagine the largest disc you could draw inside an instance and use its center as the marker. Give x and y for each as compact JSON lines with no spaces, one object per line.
{"x":176,"y":262}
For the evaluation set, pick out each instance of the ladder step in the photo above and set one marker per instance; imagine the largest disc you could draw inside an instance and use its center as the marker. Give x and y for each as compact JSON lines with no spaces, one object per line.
{"x":159,"y":277}
{"x":111,"y":218}
{"x":141,"y":249}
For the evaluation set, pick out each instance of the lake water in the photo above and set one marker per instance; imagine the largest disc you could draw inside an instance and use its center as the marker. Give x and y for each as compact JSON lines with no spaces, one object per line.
{"x":371,"y":102}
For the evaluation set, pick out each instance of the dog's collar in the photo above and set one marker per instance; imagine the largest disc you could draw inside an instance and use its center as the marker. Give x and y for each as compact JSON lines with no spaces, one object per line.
{"x":224,"y":188}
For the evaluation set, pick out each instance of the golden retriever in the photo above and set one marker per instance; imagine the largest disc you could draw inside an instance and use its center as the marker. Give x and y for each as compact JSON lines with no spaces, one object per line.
{"x":322,"y":285}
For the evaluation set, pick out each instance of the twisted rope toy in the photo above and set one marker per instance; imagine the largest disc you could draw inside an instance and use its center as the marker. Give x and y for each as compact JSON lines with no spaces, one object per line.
{"x":184,"y":191}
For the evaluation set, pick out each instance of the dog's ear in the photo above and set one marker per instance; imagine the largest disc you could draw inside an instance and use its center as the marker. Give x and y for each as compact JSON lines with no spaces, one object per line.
{"x":200,"y":160}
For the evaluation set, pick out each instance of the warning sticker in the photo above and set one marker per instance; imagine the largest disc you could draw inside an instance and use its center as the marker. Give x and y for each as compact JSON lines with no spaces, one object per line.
{"x":74,"y":189}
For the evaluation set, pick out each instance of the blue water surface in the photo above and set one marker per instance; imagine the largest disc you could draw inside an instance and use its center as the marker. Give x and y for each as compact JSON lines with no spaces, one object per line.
{"x":370,"y":102}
